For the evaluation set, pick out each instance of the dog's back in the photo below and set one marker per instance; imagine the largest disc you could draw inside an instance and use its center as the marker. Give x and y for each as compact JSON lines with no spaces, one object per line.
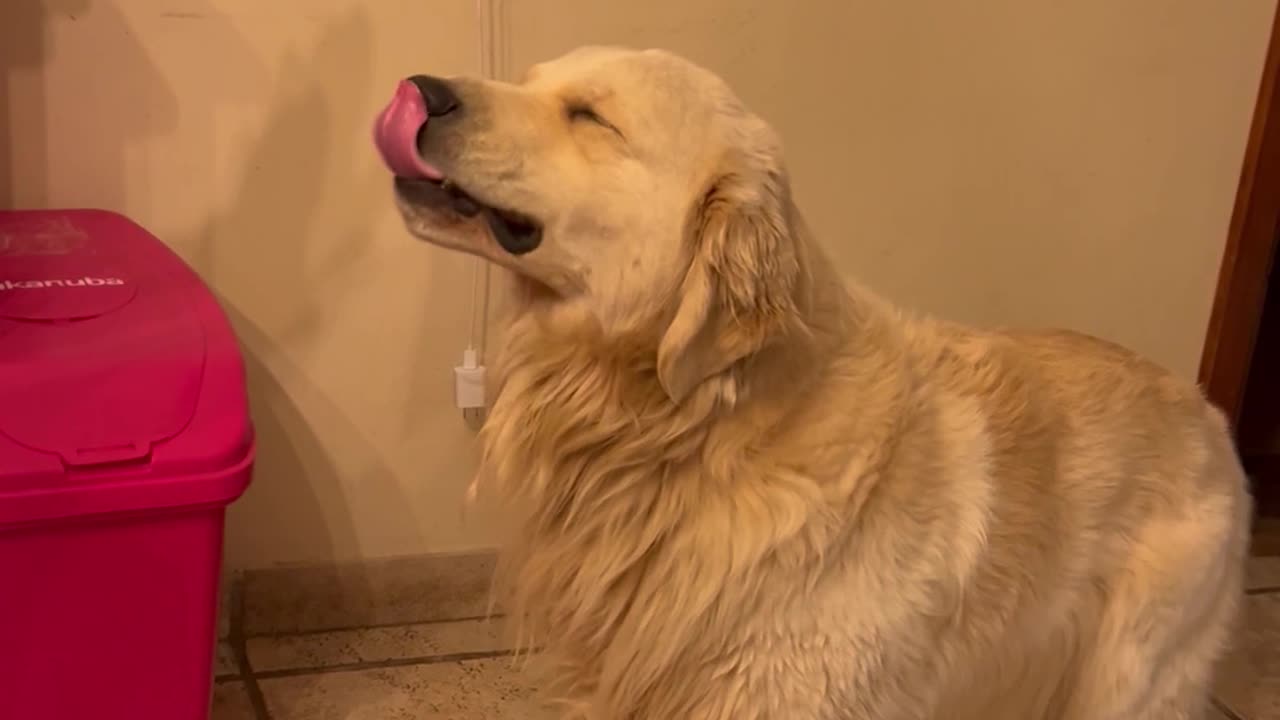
{"x":1091,"y":566}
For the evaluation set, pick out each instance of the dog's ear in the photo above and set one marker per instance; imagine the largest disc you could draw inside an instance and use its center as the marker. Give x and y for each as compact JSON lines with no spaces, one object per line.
{"x":740,"y":289}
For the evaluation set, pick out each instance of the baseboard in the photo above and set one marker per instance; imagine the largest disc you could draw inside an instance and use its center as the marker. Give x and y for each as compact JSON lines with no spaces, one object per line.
{"x":228,"y":591}
{"x":300,"y":599}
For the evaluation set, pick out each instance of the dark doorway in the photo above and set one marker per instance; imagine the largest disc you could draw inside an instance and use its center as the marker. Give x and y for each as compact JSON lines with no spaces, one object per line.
{"x":1241,"y":361}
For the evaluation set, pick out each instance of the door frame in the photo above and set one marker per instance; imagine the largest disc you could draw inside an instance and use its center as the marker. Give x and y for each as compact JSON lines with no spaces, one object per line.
{"x":1250,"y":250}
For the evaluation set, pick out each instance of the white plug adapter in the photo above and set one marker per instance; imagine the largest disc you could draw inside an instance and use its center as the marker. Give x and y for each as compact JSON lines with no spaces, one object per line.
{"x":468,"y":382}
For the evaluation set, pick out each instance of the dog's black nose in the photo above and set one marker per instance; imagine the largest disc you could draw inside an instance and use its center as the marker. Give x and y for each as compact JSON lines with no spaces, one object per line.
{"x":439,"y":97}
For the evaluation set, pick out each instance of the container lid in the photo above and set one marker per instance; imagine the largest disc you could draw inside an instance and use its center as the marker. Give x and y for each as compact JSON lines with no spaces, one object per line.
{"x":118,"y":372}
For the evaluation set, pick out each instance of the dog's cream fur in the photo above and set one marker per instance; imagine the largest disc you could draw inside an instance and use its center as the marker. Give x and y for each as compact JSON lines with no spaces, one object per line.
{"x":752,"y":492}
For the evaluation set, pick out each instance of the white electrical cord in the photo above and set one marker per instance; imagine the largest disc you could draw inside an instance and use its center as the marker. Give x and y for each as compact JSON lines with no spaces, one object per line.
{"x":489,"y":22}
{"x":469,"y":378}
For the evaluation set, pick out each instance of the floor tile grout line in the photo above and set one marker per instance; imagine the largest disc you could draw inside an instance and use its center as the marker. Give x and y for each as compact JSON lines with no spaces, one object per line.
{"x":1225,"y":709}
{"x":1264,"y":590}
{"x":240,"y":647}
{"x":385,"y":664}
{"x":373,"y":626}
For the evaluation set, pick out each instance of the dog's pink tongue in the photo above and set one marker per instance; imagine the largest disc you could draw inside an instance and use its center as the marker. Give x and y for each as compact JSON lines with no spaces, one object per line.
{"x":395,"y":133}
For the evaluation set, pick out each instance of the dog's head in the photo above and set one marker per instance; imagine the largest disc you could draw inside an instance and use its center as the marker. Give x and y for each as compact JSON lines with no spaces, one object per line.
{"x":632,"y":184}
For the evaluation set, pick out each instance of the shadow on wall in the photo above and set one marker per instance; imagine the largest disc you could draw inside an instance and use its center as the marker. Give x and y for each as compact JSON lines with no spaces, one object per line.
{"x":287,"y":248}
{"x":286,"y":271}
{"x":293,"y":469}
{"x":123,"y":101}
{"x":25,"y":44}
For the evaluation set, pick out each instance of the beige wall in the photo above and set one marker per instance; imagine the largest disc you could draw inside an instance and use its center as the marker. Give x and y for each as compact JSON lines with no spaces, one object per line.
{"x":1008,"y":161}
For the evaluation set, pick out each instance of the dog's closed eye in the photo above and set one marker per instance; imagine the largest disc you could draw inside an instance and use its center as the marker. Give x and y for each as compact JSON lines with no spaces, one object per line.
{"x":582,"y":112}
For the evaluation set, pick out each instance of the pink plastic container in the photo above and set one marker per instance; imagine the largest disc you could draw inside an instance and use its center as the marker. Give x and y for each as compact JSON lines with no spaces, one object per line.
{"x":124,"y":434}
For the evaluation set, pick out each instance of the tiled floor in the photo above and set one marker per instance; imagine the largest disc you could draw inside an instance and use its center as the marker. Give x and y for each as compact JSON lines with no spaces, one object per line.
{"x":441,"y":670}
{"x":461,"y":670}
{"x":1249,"y":688}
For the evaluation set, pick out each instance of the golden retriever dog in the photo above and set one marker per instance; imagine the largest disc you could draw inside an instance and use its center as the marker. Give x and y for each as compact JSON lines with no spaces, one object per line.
{"x":749,"y":490}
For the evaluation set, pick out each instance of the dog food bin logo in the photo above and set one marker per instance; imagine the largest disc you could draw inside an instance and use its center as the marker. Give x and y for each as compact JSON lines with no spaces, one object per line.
{"x":67,"y":282}
{"x":124,"y":435}
{"x":76,"y":290}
